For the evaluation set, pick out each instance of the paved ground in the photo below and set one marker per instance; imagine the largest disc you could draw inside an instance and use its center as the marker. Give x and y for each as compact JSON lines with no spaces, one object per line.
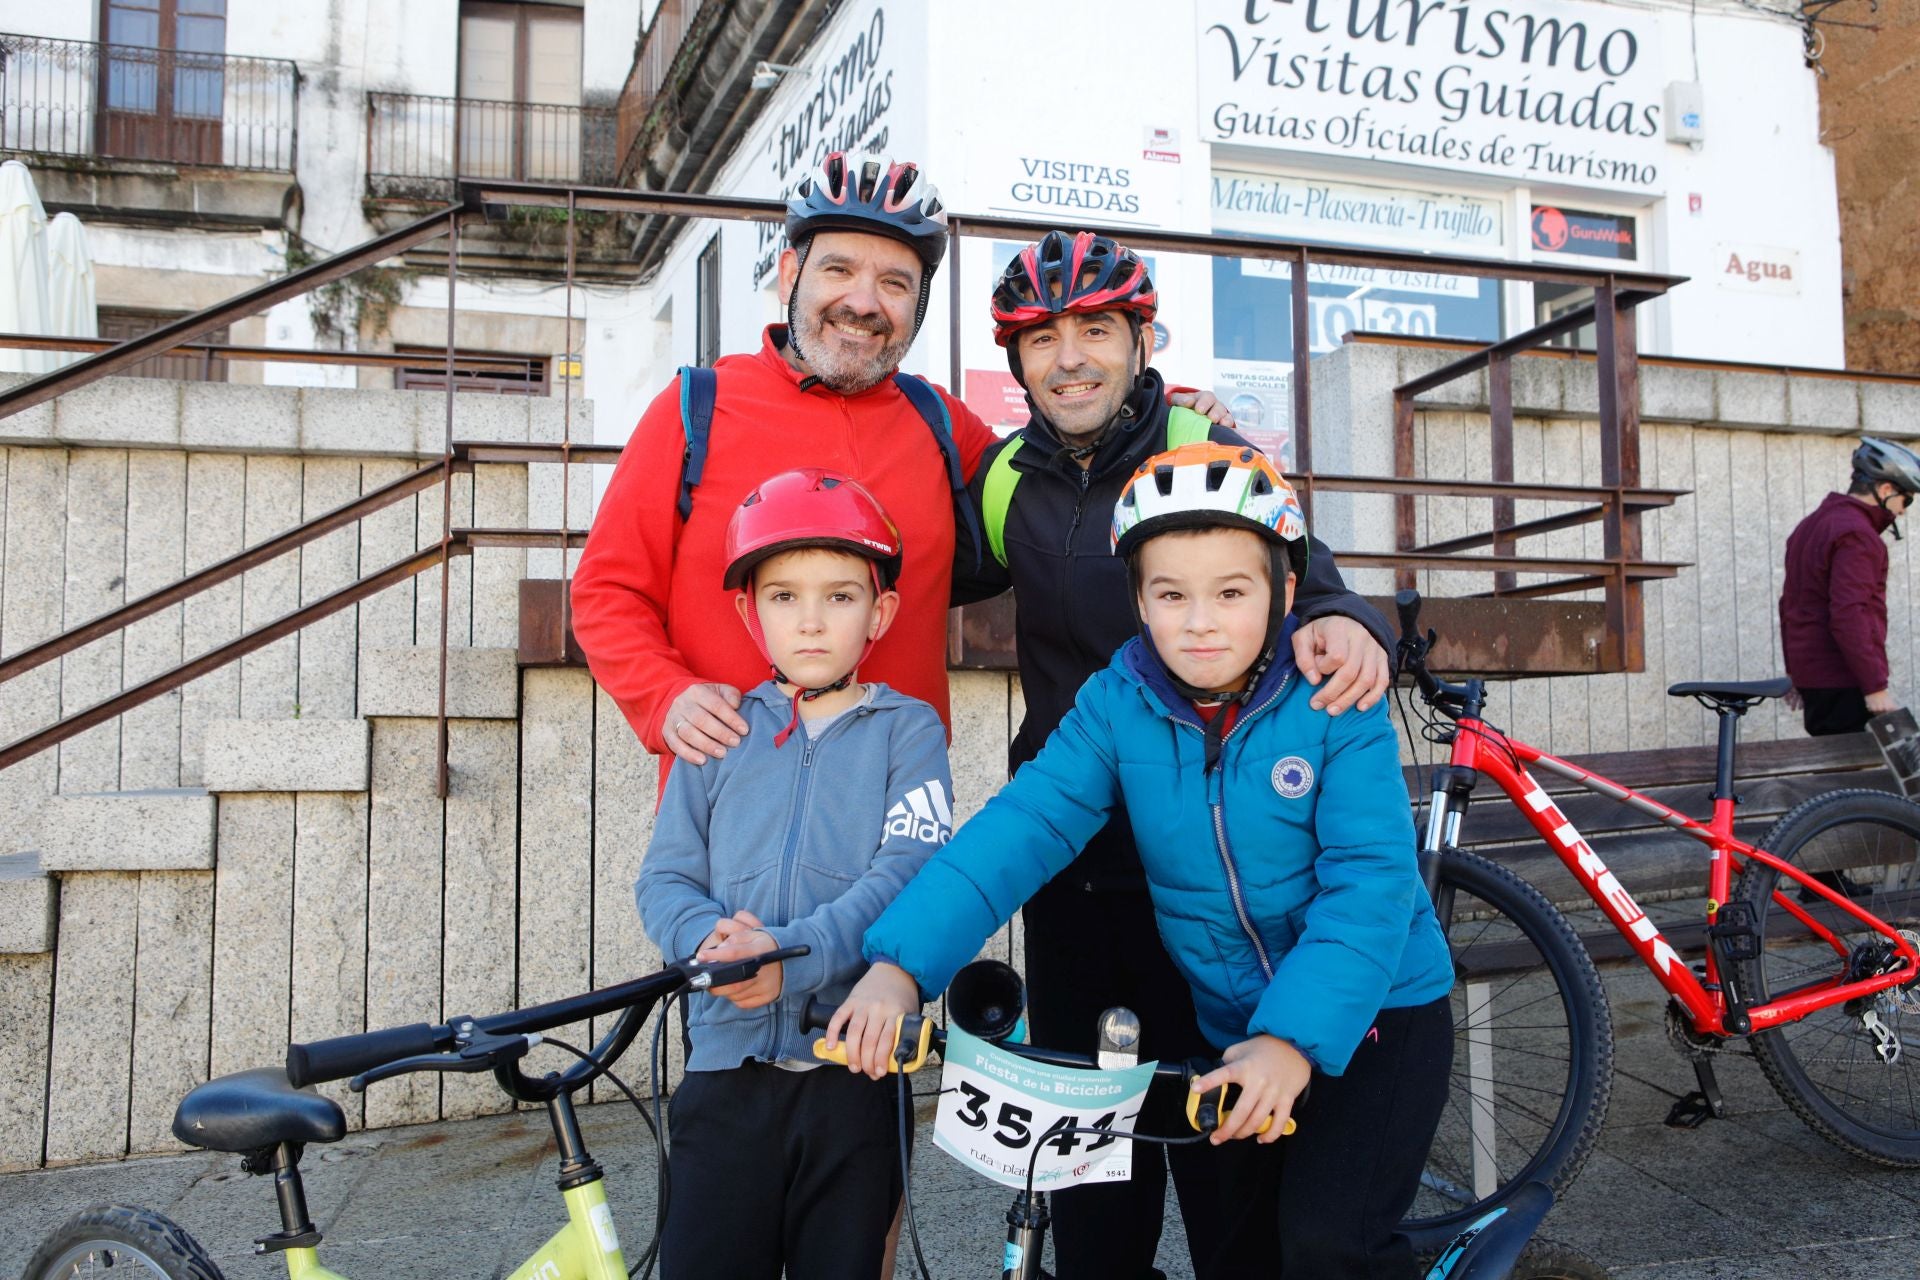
{"x":1756,"y":1196}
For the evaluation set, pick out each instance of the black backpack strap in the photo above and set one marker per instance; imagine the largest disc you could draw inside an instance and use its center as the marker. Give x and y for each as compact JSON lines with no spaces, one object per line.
{"x":696,"y":420}
{"x":931,"y":408}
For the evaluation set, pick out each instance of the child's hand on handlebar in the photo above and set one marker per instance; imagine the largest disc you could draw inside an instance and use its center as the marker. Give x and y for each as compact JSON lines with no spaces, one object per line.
{"x":741,"y":937}
{"x":869,"y":1016}
{"x":1271,"y":1074}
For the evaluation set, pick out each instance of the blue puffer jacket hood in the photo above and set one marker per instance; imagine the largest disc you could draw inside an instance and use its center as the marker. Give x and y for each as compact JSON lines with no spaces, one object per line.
{"x":1284,"y":880}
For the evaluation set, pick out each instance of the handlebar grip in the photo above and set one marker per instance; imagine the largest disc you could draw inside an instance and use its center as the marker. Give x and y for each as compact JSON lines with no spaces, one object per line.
{"x":1407,"y":604}
{"x":914,"y":1028}
{"x":344,"y":1056}
{"x":1216,"y":1104}
{"x":815,"y":1014}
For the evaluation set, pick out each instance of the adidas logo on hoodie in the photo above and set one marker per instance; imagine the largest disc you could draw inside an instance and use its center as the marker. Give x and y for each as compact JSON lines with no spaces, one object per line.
{"x":922,"y":814}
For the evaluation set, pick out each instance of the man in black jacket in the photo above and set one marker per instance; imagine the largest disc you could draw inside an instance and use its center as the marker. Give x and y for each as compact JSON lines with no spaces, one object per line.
{"x":1075,"y":315}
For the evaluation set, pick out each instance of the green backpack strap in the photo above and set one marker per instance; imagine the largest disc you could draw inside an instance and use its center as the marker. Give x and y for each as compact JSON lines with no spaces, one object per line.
{"x":996,"y":496}
{"x":1184,"y":426}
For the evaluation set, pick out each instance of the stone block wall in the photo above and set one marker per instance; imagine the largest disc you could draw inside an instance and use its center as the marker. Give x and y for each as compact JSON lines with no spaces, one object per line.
{"x":127,"y":485}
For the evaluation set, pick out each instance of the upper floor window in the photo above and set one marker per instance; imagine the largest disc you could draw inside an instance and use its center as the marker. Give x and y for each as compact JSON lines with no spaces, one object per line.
{"x":163,"y":79}
{"x":519,"y":85}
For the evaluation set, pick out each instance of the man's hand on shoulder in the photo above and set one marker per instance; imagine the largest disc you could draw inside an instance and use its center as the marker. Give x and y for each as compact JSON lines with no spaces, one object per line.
{"x":703,"y":722}
{"x":1345,"y":655}
{"x":1202,"y":402}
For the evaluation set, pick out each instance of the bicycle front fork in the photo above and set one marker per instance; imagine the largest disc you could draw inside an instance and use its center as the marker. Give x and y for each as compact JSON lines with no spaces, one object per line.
{"x":1452,"y":784}
{"x":1027,"y":1224}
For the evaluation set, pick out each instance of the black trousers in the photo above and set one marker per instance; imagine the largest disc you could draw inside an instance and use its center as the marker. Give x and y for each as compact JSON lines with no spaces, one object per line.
{"x":772,"y":1168}
{"x":1328,"y":1200}
{"x":1834,"y":711}
{"x":1087,"y":952}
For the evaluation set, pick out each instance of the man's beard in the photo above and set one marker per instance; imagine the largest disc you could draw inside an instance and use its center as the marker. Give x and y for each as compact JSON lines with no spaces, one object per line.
{"x":843,"y":372}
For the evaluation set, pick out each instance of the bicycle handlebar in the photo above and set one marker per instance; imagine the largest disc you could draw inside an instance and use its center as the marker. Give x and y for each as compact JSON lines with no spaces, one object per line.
{"x":1204,"y":1112}
{"x":1411,"y":655}
{"x":344,"y":1056}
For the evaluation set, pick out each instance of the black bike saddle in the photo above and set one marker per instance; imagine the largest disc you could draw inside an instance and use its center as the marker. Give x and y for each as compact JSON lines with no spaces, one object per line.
{"x":249,"y":1110}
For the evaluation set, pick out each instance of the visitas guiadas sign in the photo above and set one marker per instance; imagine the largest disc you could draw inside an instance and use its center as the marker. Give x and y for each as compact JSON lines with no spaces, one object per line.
{"x":1536,"y":91}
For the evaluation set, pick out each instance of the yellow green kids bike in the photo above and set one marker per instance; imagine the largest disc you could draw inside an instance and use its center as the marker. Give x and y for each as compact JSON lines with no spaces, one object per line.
{"x":265,"y":1117}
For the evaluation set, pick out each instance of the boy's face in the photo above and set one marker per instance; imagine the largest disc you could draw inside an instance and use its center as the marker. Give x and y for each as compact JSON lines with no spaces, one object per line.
{"x":1204,"y":597}
{"x":818,"y":612}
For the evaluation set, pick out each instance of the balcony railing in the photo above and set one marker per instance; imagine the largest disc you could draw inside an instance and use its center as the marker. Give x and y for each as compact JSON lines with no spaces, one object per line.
{"x":419,"y":147}
{"x":126,"y":102}
{"x":659,"y":46}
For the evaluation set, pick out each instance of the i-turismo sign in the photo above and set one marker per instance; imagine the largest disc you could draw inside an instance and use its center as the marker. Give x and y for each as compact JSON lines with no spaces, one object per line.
{"x":1533,"y":90}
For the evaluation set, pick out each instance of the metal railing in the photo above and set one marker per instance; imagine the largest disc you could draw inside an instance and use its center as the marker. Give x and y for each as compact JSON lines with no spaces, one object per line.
{"x":129,"y":102}
{"x":659,"y":47}
{"x":420,"y":146}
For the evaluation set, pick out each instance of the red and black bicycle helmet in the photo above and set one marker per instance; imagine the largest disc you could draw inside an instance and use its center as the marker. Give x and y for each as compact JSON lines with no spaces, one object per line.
{"x":810,"y":507}
{"x":1063,"y":274}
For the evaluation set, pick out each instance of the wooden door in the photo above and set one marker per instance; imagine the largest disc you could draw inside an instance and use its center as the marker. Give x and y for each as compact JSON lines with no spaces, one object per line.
{"x":162,"y":80}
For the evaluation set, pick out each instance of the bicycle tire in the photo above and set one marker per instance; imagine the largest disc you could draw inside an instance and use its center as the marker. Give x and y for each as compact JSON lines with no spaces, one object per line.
{"x":1870,"y":842}
{"x":109,"y":1237}
{"x":1548,"y":1111}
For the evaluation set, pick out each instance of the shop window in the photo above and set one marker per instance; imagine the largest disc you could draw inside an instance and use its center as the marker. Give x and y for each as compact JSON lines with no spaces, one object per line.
{"x":519,"y":91}
{"x":431,"y":374}
{"x":706,"y":289}
{"x":120,"y":324}
{"x":1253,"y":327}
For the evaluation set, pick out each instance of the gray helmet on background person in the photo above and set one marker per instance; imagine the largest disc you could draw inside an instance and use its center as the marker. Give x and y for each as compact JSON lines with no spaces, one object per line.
{"x":1877,"y":460}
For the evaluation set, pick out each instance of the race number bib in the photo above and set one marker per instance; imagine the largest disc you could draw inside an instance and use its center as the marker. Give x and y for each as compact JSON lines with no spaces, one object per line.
{"x":998,"y":1111}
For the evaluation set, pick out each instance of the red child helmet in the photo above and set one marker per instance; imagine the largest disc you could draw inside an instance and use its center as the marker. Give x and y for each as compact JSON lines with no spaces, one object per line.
{"x":810,"y":507}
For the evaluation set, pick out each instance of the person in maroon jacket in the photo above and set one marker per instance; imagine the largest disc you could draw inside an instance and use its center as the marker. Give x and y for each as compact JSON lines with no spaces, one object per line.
{"x":1833,"y":604}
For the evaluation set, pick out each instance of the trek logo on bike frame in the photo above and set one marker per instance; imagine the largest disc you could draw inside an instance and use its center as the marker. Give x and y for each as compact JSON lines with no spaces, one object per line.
{"x":1604,"y":882}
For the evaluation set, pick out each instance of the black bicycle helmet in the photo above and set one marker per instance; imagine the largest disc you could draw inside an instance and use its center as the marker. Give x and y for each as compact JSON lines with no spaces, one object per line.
{"x":872,"y":194}
{"x":1877,"y":460}
{"x":1061,"y":273}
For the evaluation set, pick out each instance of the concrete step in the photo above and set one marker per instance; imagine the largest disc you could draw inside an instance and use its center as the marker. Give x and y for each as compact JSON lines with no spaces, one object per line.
{"x":286,"y":755}
{"x":482,"y":684}
{"x":28,"y":902}
{"x":161,"y":830}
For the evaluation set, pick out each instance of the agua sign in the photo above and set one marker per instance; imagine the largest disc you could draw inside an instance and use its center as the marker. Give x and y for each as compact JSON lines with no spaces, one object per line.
{"x":1546,"y":91}
{"x":1758,"y":268}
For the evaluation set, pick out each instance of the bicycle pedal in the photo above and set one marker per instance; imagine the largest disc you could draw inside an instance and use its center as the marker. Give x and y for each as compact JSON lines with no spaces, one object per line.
{"x":1735,"y":931}
{"x":1690,"y":1112}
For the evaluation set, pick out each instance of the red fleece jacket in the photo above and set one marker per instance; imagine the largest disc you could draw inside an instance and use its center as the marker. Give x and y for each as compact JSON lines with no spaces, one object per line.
{"x":648,"y":607}
{"x":1833,"y":602}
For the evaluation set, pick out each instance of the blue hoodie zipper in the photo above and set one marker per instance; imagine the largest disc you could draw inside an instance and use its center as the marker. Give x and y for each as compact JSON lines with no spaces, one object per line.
{"x":1217,"y":801}
{"x":803,"y":791}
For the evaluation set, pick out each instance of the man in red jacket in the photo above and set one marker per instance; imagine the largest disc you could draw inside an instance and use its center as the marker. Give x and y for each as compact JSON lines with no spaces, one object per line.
{"x":865,"y":236}
{"x":1833,"y":604}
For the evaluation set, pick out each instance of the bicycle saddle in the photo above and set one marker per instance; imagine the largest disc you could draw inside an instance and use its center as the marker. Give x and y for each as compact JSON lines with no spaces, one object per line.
{"x":1731,"y":691}
{"x":249,"y":1110}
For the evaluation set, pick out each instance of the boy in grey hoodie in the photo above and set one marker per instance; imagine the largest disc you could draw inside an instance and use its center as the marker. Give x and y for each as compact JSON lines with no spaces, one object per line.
{"x":776,"y":1164}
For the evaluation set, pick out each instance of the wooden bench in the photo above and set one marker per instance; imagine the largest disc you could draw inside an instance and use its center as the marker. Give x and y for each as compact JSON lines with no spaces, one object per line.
{"x":1656,"y":863}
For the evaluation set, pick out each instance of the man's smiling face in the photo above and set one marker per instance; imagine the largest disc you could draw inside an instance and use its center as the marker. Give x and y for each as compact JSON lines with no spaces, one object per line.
{"x":853,"y":315}
{"x":1079,"y":369}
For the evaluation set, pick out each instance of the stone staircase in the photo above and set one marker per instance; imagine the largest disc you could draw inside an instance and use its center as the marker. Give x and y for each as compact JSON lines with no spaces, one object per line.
{"x":317,"y":885}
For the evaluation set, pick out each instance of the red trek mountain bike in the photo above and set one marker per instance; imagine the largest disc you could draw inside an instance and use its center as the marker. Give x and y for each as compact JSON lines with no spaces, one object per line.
{"x":1810,"y":954}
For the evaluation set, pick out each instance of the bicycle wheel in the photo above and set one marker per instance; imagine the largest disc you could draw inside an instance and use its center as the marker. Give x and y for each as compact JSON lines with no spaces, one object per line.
{"x":1857,"y":1089}
{"x":124,"y":1241}
{"x":1532,"y":1050}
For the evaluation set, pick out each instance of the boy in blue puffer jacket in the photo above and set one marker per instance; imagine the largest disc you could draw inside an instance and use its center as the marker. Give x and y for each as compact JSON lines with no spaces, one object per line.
{"x":778,"y":843}
{"x":1278,"y":846}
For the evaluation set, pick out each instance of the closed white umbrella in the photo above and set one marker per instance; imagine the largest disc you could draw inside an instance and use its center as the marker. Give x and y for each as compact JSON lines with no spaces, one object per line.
{"x":23,"y":266}
{"x":71,"y":309}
